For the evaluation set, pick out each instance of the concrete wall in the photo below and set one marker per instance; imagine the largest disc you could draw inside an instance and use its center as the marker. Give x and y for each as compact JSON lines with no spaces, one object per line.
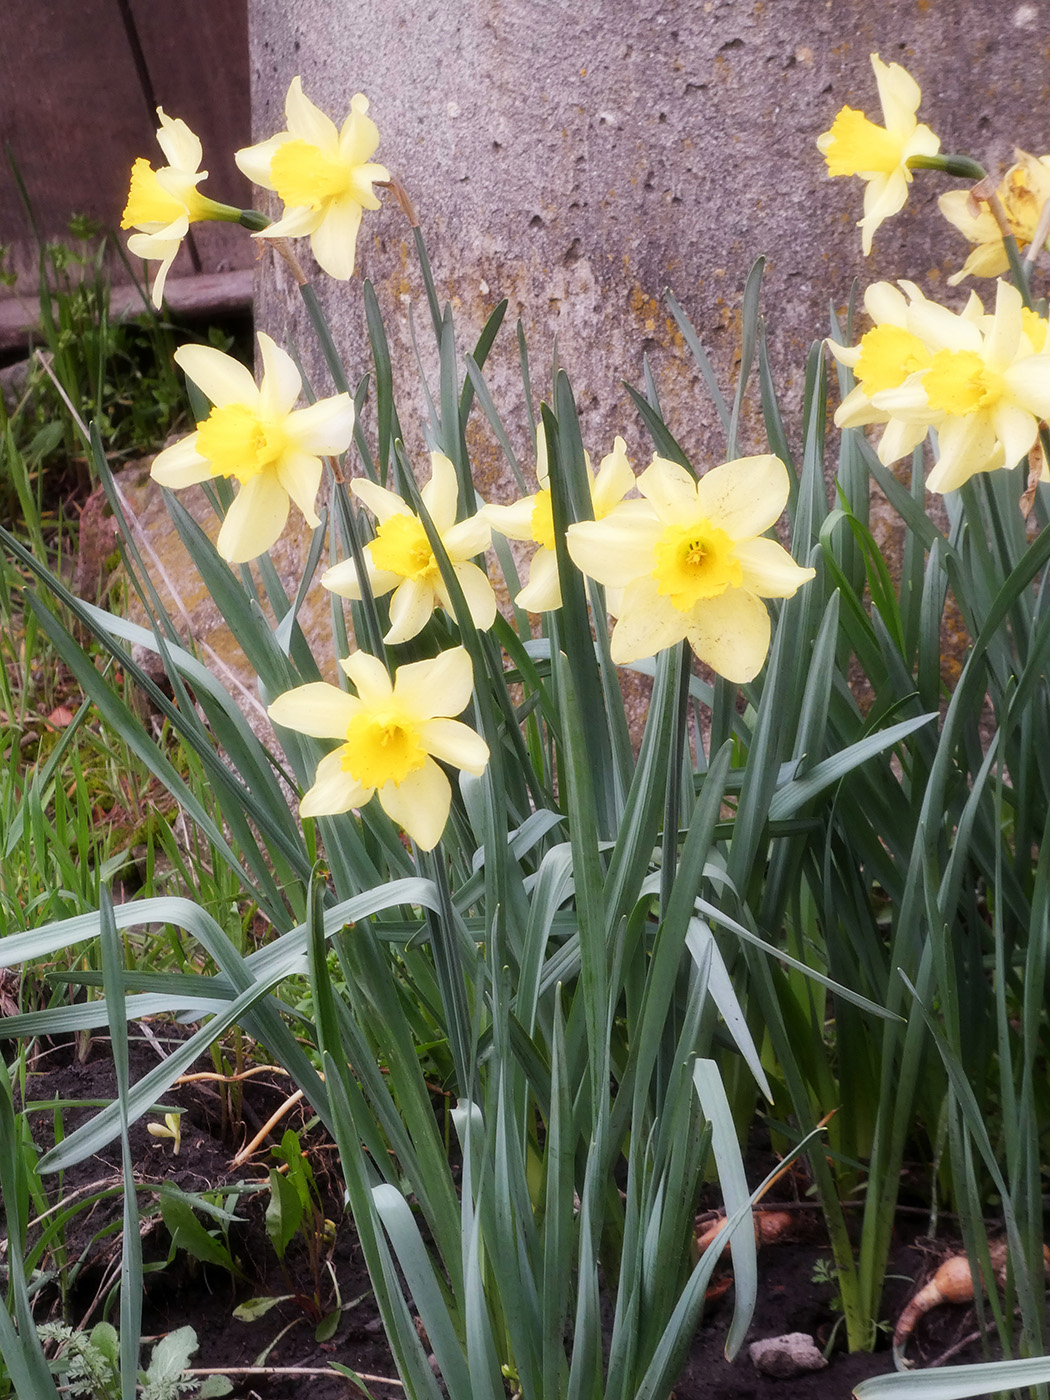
{"x":580,"y":157}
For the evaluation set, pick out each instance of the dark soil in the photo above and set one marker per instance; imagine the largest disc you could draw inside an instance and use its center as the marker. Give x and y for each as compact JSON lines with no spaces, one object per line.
{"x":283,"y":1341}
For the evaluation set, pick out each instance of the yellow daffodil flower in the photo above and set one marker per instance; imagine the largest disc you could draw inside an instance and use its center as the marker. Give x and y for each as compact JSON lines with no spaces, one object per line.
{"x":400,"y":557}
{"x":1024,"y":190}
{"x":696,"y":565}
{"x":254,"y":435}
{"x":885,"y":357}
{"x":880,"y":154}
{"x":321,"y":174}
{"x":391,"y":734}
{"x":985,"y":388}
{"x":163,"y":203}
{"x":532,"y":519}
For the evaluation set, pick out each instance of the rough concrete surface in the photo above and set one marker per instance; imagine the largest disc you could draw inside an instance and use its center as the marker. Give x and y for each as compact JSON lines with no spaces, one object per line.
{"x":578,"y":158}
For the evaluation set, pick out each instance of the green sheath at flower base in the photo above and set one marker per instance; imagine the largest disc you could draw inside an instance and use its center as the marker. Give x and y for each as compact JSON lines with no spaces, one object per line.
{"x":255,"y":435}
{"x":322,"y":175}
{"x":880,"y":155}
{"x":694,"y":563}
{"x":163,"y":203}
{"x":391,"y":734}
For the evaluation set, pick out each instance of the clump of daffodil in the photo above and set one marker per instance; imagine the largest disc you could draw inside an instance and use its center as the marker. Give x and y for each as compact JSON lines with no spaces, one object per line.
{"x":694,"y":564}
{"x":1023,"y":193}
{"x":855,"y":145}
{"x":255,"y":435}
{"x":163,"y":203}
{"x":532,"y":519}
{"x":391,"y":733}
{"x":323,"y":176}
{"x":401,"y":560}
{"x":982,"y":381}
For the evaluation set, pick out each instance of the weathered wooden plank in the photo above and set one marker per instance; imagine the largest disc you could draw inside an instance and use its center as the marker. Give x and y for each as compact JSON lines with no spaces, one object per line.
{"x":205,"y":294}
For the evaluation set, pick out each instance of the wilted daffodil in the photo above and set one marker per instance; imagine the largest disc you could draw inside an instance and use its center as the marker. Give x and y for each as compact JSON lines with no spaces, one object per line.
{"x":163,"y":203}
{"x":696,"y":564}
{"x":254,"y":434}
{"x":400,"y":557}
{"x":532,"y":519}
{"x":1024,"y":191}
{"x":391,"y":734}
{"x":880,"y":154}
{"x":322,"y":175}
{"x":986,"y":388}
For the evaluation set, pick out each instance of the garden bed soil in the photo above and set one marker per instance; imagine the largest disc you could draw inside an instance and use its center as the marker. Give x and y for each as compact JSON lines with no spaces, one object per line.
{"x":288,"y":1361}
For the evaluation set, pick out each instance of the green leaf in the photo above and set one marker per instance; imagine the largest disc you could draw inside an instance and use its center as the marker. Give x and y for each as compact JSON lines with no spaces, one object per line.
{"x":254,"y":1308}
{"x":283,"y":1213}
{"x":956,"y":1382}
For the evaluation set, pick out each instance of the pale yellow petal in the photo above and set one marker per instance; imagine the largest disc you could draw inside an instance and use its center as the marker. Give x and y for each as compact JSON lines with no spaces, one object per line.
{"x":182,"y":149}
{"x":342,"y":578}
{"x":255,"y":161}
{"x":359,"y":135}
{"x":334,"y":241}
{"x":438,"y":688}
{"x":420,"y":805}
{"x":411,"y":608}
{"x":307,"y":122}
{"x":478,"y":592}
{"x":296,"y":222}
{"x":281,"y":381}
{"x":616,"y":550}
{"x":255,"y":519}
{"x":220,"y":377}
{"x":381,"y":502}
{"x":965,"y":447}
{"x":334,"y":790}
{"x":731,"y":634}
{"x":455,"y":743}
{"x":325,"y":428}
{"x":648,"y":623}
{"x":769,"y":570}
{"x":321,"y":710}
{"x":468,"y":537}
{"x":369,"y":677}
{"x":441,"y":493}
{"x":515,"y":520}
{"x":300,"y":475}
{"x":899,"y":94}
{"x":181,"y":465}
{"x":615,"y":478}
{"x":542,"y":593}
{"x":746,"y":496}
{"x":669,"y":489}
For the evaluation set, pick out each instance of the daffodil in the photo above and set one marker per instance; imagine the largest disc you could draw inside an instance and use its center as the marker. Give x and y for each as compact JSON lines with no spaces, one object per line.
{"x":401,"y":560}
{"x":1024,"y":191}
{"x":985,"y":388}
{"x":855,"y":145}
{"x":255,"y":435}
{"x":532,"y":519}
{"x":163,"y":203}
{"x":322,"y":175}
{"x":696,"y":564}
{"x":391,"y":734}
{"x":885,"y":357}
